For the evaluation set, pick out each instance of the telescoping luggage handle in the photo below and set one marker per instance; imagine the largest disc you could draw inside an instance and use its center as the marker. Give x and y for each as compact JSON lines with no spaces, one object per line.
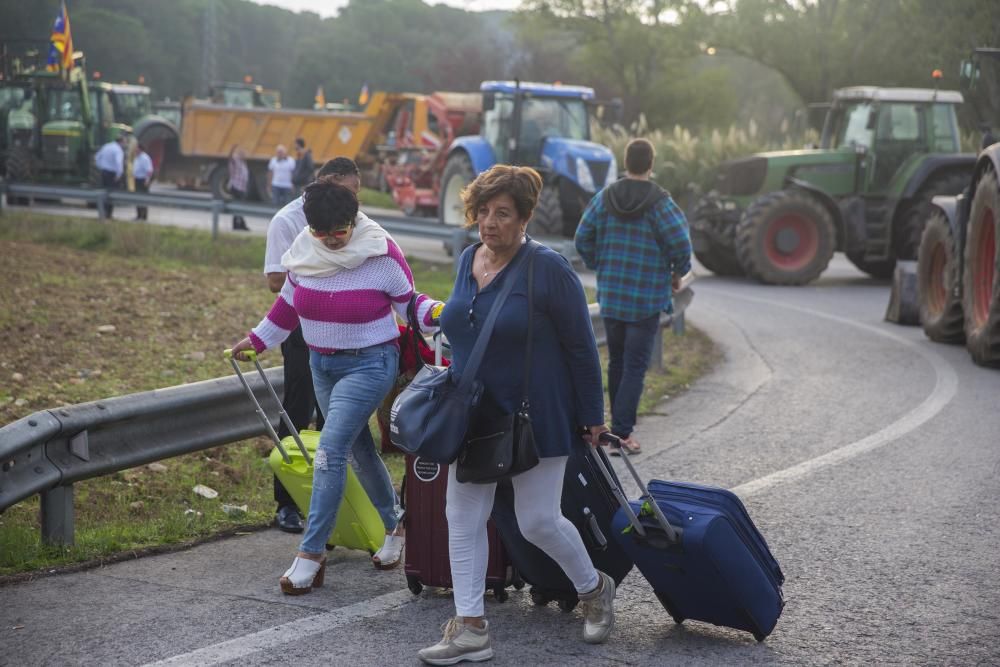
{"x":260,"y":411}
{"x":673,"y":534}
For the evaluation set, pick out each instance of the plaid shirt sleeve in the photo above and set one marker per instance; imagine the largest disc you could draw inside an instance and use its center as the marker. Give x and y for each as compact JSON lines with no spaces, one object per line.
{"x":673,"y":229}
{"x":586,"y":232}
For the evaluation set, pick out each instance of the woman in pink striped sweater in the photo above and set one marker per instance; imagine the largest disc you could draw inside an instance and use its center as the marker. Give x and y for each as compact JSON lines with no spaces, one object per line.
{"x":346,"y":278}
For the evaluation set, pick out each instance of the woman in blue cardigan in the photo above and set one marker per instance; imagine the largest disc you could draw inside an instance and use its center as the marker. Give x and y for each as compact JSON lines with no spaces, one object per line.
{"x":565,"y":394}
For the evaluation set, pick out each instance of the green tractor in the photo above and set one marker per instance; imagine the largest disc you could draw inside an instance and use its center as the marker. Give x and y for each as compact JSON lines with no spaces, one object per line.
{"x":57,"y":123}
{"x":778,"y":217}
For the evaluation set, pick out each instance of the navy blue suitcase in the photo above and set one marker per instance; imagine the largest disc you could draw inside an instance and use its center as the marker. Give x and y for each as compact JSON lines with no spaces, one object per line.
{"x":704,"y":557}
{"x":590,"y":501}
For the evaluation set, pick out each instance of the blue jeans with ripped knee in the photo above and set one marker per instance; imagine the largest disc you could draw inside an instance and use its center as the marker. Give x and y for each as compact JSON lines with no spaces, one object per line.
{"x":349,"y":387}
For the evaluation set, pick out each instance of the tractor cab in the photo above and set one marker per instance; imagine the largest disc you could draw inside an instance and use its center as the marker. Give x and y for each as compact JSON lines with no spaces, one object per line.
{"x":893,"y":129}
{"x":244,"y":96}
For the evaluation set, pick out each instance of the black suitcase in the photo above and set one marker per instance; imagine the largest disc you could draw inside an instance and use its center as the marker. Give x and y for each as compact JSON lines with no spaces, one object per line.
{"x":589,"y":502}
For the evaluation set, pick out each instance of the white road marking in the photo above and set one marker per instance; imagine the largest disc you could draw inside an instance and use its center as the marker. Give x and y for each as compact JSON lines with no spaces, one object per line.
{"x":945,"y":388}
{"x":293,"y":631}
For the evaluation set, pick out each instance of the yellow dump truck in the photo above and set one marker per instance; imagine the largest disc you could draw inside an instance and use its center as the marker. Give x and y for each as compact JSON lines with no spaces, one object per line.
{"x":196,"y":154}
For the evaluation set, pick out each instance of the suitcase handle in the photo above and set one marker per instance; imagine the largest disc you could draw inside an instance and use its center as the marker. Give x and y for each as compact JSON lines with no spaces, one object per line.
{"x":614,"y":441}
{"x":252,"y":355}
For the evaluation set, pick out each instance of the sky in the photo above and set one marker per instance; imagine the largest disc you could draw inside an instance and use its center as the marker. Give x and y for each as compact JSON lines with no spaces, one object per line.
{"x":327,"y":8}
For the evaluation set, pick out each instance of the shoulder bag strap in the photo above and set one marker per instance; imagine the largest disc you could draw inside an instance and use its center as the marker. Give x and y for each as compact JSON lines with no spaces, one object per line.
{"x":526,"y":382}
{"x":469,"y":372}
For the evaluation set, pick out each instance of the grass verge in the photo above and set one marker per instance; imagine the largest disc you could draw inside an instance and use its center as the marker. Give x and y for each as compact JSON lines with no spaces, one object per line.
{"x":174,"y":299}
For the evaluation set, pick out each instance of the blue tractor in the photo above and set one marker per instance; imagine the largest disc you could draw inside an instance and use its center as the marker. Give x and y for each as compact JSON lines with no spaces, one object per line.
{"x":538,"y":125}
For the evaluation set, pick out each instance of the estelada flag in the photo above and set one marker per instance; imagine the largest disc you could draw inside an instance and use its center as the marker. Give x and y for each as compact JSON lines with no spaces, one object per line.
{"x":61,"y":43}
{"x":363,"y":97}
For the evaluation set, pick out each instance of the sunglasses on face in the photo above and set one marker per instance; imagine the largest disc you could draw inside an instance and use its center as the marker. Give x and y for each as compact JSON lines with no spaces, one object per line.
{"x":334,"y":233}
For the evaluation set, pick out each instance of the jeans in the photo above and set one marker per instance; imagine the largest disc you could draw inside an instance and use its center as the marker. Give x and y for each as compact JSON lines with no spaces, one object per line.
{"x":630,"y":346}
{"x":348,"y":389}
{"x":299,"y":399}
{"x":280,"y":196}
{"x":538,"y":508}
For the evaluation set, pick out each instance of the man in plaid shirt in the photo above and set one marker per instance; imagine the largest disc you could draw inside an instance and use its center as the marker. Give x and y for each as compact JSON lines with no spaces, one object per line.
{"x":636,"y":239}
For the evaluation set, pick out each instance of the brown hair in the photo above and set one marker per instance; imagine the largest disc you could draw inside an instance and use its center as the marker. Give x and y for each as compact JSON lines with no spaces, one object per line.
{"x":523,"y":184}
{"x":639,"y":156}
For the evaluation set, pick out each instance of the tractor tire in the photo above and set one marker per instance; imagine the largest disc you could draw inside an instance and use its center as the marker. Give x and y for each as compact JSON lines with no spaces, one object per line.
{"x":456,"y":176}
{"x":720,"y":260}
{"x":785,"y":237}
{"x":981,"y":279}
{"x":911,"y":222}
{"x":880,"y":269}
{"x":218,"y":182}
{"x":19,"y":170}
{"x":547,"y":218}
{"x":937,"y":280}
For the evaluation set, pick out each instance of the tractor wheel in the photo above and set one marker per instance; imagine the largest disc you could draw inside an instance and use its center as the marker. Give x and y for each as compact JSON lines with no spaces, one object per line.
{"x":19,"y":169}
{"x":881,"y":269}
{"x":937,"y":280}
{"x":785,"y":238}
{"x":913,"y":219}
{"x":218,"y":182}
{"x":457,"y":175}
{"x":547,"y":218}
{"x":981,"y":279}
{"x":720,"y":260}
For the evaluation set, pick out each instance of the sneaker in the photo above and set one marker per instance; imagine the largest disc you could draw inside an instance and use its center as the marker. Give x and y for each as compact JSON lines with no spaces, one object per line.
{"x":460,"y":642}
{"x":599,"y":611}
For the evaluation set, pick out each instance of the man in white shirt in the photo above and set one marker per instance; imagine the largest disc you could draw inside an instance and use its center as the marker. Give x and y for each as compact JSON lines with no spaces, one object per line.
{"x":300,"y":399}
{"x":110,"y":161}
{"x":279,"y":176}
{"x":142,"y":172}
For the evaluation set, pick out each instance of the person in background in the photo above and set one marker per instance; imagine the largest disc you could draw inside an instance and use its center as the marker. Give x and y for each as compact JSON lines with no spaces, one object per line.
{"x":304,"y":166}
{"x":279,"y":176}
{"x":299,"y":400}
{"x":565,"y":394}
{"x":346,"y":279}
{"x":636,"y":239}
{"x":142,"y":172}
{"x":239,"y":178}
{"x":110,"y":161}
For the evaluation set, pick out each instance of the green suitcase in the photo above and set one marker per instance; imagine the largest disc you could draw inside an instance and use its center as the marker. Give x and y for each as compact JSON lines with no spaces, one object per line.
{"x":358,"y":524}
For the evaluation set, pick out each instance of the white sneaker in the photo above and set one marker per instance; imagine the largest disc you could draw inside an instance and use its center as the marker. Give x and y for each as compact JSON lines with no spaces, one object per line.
{"x":460,"y":642}
{"x":599,"y":611}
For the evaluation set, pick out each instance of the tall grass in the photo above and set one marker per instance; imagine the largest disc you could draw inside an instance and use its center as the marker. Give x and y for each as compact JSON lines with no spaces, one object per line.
{"x":686,"y":161}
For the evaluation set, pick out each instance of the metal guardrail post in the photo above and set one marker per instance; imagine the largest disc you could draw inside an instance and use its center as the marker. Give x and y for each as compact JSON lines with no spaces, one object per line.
{"x":57,"y":516}
{"x":218,"y":206}
{"x":677,"y":326}
{"x":102,"y":204}
{"x":656,"y":361}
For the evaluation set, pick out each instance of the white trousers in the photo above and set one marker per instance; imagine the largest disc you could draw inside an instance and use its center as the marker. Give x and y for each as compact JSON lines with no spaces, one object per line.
{"x":537,"y":499}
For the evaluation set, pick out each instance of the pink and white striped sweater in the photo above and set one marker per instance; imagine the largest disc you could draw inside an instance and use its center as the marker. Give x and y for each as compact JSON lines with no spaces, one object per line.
{"x":351,"y":309}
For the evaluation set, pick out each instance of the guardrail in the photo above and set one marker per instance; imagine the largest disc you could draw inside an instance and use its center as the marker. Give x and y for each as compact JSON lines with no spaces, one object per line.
{"x":395,"y":223}
{"x":46,"y":452}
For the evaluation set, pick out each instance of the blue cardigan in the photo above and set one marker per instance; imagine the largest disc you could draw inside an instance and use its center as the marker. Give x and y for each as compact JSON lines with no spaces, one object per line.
{"x":565,"y":390}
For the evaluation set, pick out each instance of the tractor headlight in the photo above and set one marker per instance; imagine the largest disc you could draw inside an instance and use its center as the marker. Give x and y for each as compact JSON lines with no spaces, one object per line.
{"x":583,"y":176}
{"x":612,"y":172}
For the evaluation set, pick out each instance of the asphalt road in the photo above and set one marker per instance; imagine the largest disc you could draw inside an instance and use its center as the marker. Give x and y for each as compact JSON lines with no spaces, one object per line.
{"x":868,"y":456}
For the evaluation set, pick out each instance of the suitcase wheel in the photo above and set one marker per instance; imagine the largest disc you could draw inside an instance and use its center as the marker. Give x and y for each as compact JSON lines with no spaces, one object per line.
{"x":500,"y":593}
{"x":567,"y":605}
{"x":537,"y":598}
{"x":413,"y":583}
{"x":759,"y":637}
{"x":677,"y":619}
{"x":517,"y":583}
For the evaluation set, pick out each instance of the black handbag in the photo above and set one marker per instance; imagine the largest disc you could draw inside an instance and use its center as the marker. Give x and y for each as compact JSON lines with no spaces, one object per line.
{"x":498,"y":448}
{"x":430,"y":417}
